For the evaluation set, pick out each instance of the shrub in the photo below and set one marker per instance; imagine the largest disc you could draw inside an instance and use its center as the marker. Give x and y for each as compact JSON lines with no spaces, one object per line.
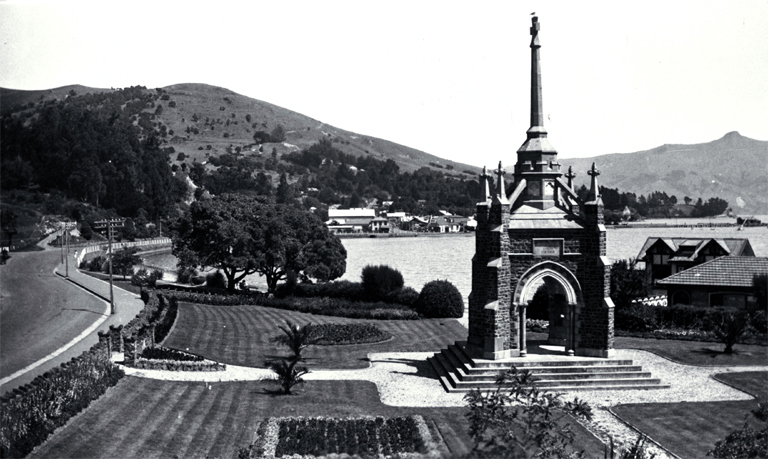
{"x":380,"y":280}
{"x":216,"y":280}
{"x":405,"y":296}
{"x":197,"y":280}
{"x":95,"y":264}
{"x":145,"y":278}
{"x":730,"y":327}
{"x":184,"y":274}
{"x":636,"y":318}
{"x":440,"y":298}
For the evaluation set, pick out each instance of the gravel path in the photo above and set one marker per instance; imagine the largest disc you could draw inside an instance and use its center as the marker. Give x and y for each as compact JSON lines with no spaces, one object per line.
{"x":405,"y":379}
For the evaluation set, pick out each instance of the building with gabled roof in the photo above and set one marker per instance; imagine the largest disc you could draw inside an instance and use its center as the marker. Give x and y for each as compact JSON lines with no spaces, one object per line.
{"x":664,"y":257}
{"x":723,"y":281}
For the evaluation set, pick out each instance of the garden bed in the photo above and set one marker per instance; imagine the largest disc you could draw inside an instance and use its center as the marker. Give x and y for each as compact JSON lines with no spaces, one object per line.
{"x":354,"y":333}
{"x":175,"y":365}
{"x":402,"y":436}
{"x":321,"y":306}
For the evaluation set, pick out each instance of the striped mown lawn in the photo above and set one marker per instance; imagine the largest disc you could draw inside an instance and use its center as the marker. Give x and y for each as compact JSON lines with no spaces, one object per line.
{"x":146,"y":418}
{"x":690,"y":430}
{"x":239,"y":335}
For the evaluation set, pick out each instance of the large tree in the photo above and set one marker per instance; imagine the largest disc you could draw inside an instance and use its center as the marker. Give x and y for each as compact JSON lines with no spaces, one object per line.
{"x":242,"y":235}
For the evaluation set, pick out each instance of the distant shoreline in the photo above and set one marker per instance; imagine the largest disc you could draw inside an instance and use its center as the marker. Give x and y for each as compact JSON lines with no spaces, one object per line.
{"x":391,"y":235}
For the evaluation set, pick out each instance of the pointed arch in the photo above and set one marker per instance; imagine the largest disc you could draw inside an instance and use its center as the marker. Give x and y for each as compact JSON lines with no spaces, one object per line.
{"x":529,"y":282}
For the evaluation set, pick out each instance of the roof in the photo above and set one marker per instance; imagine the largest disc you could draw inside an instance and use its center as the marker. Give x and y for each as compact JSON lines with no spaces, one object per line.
{"x":527,"y":217}
{"x":722,"y":271}
{"x":351,"y":213}
{"x":731,"y":246}
{"x":352,"y":221}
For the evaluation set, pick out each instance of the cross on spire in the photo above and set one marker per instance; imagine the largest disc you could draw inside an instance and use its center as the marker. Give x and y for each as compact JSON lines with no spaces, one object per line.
{"x":570,"y":175}
{"x":500,"y":172}
{"x":594,"y":189}
{"x":484,"y":177}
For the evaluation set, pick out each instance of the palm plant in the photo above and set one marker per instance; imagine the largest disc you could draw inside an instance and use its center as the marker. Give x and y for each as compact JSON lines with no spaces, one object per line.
{"x":296,"y":337}
{"x":730,"y":327}
{"x":287,"y":374}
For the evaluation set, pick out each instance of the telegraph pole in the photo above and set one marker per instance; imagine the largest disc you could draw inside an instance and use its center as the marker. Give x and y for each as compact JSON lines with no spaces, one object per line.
{"x":110,"y":226}
{"x":68,"y":227}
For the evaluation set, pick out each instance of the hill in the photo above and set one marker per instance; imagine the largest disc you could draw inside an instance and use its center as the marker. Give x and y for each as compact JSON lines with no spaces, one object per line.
{"x":733,"y":168}
{"x":223,"y":118}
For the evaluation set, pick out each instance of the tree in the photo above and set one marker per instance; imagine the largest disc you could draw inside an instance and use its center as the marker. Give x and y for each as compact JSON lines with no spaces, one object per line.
{"x":277,"y":134}
{"x":687,"y":200}
{"x":284,"y":193}
{"x":242,"y":235}
{"x":524,"y":420}
{"x":124,"y":260}
{"x":627,"y":282}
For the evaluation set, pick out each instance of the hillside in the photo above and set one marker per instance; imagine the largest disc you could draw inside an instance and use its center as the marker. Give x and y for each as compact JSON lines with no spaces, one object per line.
{"x":223,"y":118}
{"x":733,"y":168}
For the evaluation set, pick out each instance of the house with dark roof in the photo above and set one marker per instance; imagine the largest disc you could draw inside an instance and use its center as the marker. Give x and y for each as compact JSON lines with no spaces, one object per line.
{"x":664,"y":257}
{"x":724,"y":281}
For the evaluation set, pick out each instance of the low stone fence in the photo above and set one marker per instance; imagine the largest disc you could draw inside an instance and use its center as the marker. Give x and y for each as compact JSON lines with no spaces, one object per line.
{"x":103,"y":247}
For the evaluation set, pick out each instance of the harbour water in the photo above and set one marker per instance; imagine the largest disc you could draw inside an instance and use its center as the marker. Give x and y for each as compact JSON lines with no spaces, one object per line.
{"x":425,"y":258}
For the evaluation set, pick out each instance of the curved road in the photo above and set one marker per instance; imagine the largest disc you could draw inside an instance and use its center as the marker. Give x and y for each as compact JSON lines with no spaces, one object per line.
{"x":41,"y":312}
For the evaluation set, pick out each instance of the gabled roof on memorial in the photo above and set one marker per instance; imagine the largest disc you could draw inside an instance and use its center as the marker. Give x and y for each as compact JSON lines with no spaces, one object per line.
{"x":527,"y":217}
{"x":723,"y":271}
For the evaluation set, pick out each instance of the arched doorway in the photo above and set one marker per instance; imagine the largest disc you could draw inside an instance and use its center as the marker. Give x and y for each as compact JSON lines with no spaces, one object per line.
{"x":554,"y":283}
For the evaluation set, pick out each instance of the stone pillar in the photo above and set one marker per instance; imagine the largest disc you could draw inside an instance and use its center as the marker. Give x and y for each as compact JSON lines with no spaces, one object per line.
{"x":523,"y":329}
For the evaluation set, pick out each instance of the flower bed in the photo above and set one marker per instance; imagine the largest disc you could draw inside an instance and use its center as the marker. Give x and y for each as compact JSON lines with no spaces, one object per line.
{"x":321,"y":306}
{"x":338,"y":334}
{"x":176,"y":365}
{"x":162,"y":353}
{"x":691,"y":335}
{"x":366,"y":437}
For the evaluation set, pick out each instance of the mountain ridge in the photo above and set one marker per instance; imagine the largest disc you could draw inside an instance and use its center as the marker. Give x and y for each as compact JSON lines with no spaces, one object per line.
{"x":732,"y":167}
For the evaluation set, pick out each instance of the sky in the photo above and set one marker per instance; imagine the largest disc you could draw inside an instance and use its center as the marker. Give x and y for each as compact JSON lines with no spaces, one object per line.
{"x":448,"y":78}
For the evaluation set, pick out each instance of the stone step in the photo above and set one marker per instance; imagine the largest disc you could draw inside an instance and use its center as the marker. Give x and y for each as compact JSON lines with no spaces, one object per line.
{"x":564,"y":388}
{"x":458,"y":372}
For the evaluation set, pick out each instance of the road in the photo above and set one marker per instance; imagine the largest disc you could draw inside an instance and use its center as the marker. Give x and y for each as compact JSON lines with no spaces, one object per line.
{"x":42,"y":313}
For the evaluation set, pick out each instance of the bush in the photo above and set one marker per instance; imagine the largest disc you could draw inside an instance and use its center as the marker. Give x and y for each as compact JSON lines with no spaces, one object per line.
{"x":216,"y":280}
{"x":380,"y":280}
{"x":440,"y":298}
{"x":405,"y":296}
{"x":145,"y":278}
{"x":636,"y":318}
{"x":184,"y":275}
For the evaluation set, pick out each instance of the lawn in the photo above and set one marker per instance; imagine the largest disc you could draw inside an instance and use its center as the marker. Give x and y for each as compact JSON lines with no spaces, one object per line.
{"x":697,"y":352}
{"x":239,"y":335}
{"x":690,"y":430}
{"x":150,"y":418}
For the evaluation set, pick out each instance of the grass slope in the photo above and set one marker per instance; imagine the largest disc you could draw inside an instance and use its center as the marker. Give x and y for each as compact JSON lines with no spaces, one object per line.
{"x":239,"y":335}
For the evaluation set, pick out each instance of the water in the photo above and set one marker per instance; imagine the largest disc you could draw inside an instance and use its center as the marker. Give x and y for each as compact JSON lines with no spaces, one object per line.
{"x":422,"y":259}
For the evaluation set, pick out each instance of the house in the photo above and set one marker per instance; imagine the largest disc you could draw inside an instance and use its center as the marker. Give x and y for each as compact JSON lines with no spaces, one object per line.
{"x":349,"y":225}
{"x":447,"y":224}
{"x":415,"y":224}
{"x":355,"y":212}
{"x":379,"y":225}
{"x":723,"y":281}
{"x":664,"y":257}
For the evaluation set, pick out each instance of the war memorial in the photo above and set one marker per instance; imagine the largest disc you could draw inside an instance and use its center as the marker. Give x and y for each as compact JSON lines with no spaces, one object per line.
{"x":541,"y":233}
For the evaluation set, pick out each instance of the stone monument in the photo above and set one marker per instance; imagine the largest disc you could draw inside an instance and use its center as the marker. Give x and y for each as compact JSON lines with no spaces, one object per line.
{"x":540,"y":234}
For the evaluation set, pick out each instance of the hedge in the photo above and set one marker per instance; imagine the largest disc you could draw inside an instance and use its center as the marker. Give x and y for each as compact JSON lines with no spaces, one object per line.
{"x":440,"y":298}
{"x":321,"y":306}
{"x":31,"y":413}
